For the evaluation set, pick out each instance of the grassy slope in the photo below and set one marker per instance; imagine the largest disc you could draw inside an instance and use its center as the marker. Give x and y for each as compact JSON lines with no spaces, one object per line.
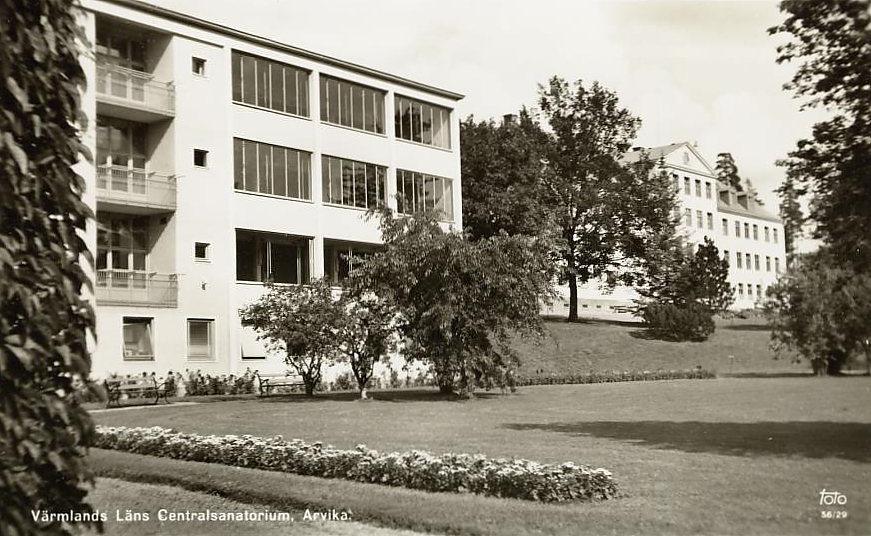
{"x":603,"y":346}
{"x":729,"y":456}
{"x":112,"y":494}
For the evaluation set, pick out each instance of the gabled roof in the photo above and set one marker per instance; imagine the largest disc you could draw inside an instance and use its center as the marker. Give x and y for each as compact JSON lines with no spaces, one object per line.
{"x":755,"y":210}
{"x":657,"y":153}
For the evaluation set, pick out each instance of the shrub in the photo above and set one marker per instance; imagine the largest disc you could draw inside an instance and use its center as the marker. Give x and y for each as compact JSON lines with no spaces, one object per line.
{"x":198,"y":384}
{"x":617,"y":376}
{"x":686,"y":322}
{"x":458,"y":473}
{"x":343,"y":382}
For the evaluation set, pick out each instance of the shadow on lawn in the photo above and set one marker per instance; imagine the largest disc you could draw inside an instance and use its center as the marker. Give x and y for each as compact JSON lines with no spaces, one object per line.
{"x":399,"y":395}
{"x":746,"y":327}
{"x":848,"y":441}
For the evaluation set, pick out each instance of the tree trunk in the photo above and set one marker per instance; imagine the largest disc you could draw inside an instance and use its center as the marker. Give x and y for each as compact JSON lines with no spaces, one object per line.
{"x":573,"y":298}
{"x":309,"y":388}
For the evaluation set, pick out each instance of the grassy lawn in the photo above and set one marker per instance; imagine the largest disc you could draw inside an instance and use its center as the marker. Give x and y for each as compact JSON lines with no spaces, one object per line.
{"x":727,"y":456}
{"x":113,"y":495}
{"x":595,"y":345}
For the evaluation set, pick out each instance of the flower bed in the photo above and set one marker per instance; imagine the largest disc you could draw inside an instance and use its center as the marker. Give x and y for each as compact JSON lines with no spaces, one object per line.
{"x":616,"y":376}
{"x":458,"y":473}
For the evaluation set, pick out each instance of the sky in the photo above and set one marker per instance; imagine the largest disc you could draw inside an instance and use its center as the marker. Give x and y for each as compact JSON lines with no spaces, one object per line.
{"x":702,"y":71}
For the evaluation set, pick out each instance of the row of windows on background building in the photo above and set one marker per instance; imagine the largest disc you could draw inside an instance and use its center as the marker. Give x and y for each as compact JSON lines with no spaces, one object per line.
{"x":687,"y":186}
{"x":284,"y":172}
{"x":280,"y":258}
{"x":743,"y":260}
{"x":138,"y":334}
{"x":769,"y":233}
{"x":700,"y":223}
{"x":749,"y":290}
{"x":284,"y":88}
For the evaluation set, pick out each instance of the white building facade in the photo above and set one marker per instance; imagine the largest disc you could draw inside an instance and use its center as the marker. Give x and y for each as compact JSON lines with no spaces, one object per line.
{"x":223,"y":160}
{"x":748,"y":236}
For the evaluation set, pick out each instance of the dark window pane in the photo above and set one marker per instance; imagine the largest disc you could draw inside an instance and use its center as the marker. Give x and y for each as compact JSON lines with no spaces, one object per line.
{"x":347,"y":182}
{"x":237,"y":77}
{"x":324,"y":101}
{"x":379,"y":112}
{"x":429,"y":192}
{"x":336,"y":181}
{"x":333,"y":96}
{"x":250,"y":152}
{"x":406,"y":119}
{"x":371,"y":185}
{"x":449,"y":199}
{"x":415,"y":121}
{"x":290,"y":91}
{"x":359,"y":184}
{"x":437,"y":130}
{"x":369,"y":97}
{"x":397,"y":117}
{"x":264,"y":160}
{"x":426,"y":124}
{"x":408,"y":187}
{"x":381,"y":174}
{"x":249,"y":78}
{"x":305,"y":175}
{"x":238,"y":164}
{"x":325,"y":179}
{"x":302,"y":89}
{"x":284,"y":263}
{"x":345,"y":98}
{"x":357,"y":107}
{"x":262,"y":83}
{"x":293,"y":189}
{"x":438,"y":196}
{"x":246,"y":257}
{"x":277,"y":85}
{"x":400,"y":191}
{"x":446,"y":129}
{"x":279,"y":179}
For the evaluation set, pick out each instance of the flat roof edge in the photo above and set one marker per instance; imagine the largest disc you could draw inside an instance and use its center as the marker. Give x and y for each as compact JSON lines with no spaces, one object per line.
{"x":282,"y":47}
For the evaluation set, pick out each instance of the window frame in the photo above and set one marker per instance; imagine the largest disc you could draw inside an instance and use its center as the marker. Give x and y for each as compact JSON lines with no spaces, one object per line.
{"x":330,"y":162}
{"x":325,"y":105}
{"x":302,"y":94}
{"x":416,"y":106}
{"x":447,"y":187}
{"x":201,"y":62}
{"x":208,"y":252}
{"x":205,"y":157}
{"x":126,"y":320}
{"x":303,"y":172}
{"x":213,"y":354}
{"x":266,"y":239}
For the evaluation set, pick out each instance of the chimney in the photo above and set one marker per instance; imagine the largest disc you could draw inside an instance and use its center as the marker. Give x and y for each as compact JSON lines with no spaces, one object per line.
{"x":509,"y":119}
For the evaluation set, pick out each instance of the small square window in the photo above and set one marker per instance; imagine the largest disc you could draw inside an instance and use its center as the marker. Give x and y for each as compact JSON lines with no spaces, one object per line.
{"x":198,"y":66}
{"x":202,"y":251}
{"x":201,"y":158}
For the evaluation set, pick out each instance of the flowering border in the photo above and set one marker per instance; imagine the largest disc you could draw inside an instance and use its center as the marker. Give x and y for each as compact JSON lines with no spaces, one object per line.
{"x":617,"y":376}
{"x":458,"y":473}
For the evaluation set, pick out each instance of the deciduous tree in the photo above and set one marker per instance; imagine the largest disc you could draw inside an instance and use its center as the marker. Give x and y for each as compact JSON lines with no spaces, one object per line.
{"x":44,"y":320}
{"x":367,"y":333}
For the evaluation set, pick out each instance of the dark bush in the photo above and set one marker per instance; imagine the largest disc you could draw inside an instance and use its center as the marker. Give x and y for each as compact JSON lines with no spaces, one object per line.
{"x":686,"y":322}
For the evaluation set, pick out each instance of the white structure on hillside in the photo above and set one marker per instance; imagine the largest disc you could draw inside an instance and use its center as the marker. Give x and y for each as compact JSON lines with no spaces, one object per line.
{"x":224,"y":159}
{"x":747,"y":235}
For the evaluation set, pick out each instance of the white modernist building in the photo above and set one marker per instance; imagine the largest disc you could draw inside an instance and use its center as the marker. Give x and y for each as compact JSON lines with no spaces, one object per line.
{"x":748,"y":236}
{"x":223,"y":160}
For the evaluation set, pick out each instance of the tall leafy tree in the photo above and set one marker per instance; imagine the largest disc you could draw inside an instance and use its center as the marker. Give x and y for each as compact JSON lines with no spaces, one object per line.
{"x":44,"y":320}
{"x":830,"y":41}
{"x":706,"y":279}
{"x":503,"y":167}
{"x":791,"y":214}
{"x":367,"y":333}
{"x":612,"y":217}
{"x":459,"y":300}
{"x":301,"y":321}
{"x":727,"y":171}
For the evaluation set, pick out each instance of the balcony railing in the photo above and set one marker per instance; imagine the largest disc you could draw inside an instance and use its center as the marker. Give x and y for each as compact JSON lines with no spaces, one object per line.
{"x":126,"y":86}
{"x":131,"y":186}
{"x":127,"y":287}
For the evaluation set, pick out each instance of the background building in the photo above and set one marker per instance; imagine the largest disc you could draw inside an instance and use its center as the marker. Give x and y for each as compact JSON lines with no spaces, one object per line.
{"x":223,"y":160}
{"x":747,"y":235}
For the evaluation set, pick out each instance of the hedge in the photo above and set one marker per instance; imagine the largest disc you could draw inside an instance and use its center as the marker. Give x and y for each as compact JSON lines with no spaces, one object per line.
{"x":458,"y":473}
{"x":616,"y":376}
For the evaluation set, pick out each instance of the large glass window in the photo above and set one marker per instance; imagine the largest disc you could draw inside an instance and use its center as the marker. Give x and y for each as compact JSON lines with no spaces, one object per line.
{"x":418,"y":191}
{"x":352,"y":183}
{"x":422,"y":122}
{"x":270,"y":84}
{"x":138,"y":339}
{"x":201,"y":339}
{"x":126,"y":51}
{"x":271,"y":169}
{"x":278,"y":258}
{"x":122,"y":248}
{"x":342,"y":257}
{"x":121,"y":143}
{"x":351,"y":105}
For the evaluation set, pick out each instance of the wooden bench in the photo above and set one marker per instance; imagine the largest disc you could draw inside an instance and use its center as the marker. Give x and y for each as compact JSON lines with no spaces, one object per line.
{"x":142,"y":386}
{"x":267,"y":382}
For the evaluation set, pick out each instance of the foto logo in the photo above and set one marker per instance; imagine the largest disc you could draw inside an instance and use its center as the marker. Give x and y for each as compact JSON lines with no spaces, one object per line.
{"x":830,"y":498}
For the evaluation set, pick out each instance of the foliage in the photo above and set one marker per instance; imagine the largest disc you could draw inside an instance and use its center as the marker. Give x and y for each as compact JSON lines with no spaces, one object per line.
{"x":457,"y":473}
{"x":689,"y":321}
{"x":791,"y":214}
{"x":727,"y":171}
{"x":367,"y":333}
{"x":822,"y":311}
{"x":197,"y":384}
{"x":617,"y":376}
{"x":301,"y":321}
{"x":831,"y":42}
{"x":458,"y":300}
{"x":44,"y":320}
{"x":502,"y":170}
{"x":612,"y":218}
{"x":705,"y":279}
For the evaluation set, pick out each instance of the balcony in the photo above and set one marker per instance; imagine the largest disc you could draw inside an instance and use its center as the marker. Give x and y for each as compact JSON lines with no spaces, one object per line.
{"x":133,"y":95}
{"x":135,"y":191}
{"x":145,"y":289}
